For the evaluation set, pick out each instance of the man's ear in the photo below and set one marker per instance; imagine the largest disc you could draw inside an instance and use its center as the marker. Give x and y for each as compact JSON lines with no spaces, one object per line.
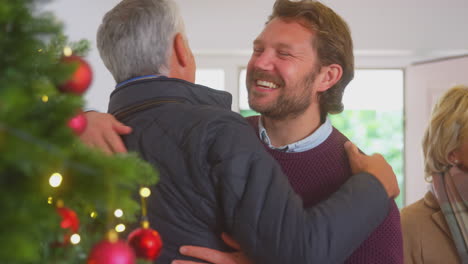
{"x":329,"y":75}
{"x":180,"y":50}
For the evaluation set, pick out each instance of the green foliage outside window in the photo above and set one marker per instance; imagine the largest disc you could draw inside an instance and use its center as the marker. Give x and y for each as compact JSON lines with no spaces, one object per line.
{"x":247,"y":113}
{"x":376,"y":132}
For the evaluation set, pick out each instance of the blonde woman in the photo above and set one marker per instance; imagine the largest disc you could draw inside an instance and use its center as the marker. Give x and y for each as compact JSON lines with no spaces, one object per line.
{"x":435,"y":228}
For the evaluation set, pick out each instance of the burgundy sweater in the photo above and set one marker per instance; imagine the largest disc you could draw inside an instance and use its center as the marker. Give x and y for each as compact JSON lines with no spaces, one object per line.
{"x":319,"y":172}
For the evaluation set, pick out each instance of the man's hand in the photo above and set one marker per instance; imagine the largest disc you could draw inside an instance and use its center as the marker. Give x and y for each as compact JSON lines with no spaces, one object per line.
{"x":375,"y":165}
{"x":214,"y":256}
{"x":103,"y":131}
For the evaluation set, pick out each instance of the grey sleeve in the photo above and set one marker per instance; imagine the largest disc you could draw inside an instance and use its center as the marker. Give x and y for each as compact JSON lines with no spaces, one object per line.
{"x":266,"y":217}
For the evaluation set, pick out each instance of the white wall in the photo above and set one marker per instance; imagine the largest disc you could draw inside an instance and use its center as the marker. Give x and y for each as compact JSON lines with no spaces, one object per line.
{"x":419,"y":26}
{"x":81,"y":20}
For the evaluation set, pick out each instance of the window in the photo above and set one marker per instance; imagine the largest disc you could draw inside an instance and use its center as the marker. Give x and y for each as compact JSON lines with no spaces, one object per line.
{"x":213,"y":78}
{"x":373,"y":115}
{"x":244,"y":108}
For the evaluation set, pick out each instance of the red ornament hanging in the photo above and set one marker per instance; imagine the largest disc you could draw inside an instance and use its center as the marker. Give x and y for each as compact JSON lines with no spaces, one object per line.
{"x":70,"y":223}
{"x":78,"y":123}
{"x":146,"y":242}
{"x":81,"y":78}
{"x":111,"y":251}
{"x":69,"y":219}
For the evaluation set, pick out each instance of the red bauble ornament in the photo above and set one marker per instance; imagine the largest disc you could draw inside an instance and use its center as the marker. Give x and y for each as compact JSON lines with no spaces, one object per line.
{"x":107,"y":252}
{"x":78,"y":123}
{"x":70,"y":222}
{"x":81,"y":78}
{"x":69,"y":219}
{"x":146,"y":242}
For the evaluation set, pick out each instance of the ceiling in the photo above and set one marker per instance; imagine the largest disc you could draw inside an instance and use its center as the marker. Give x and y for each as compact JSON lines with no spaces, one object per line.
{"x":422,"y":28}
{"x":387,"y":34}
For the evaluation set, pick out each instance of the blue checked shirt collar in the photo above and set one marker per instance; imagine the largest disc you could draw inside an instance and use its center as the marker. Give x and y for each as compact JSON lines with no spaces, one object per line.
{"x":308,"y":143}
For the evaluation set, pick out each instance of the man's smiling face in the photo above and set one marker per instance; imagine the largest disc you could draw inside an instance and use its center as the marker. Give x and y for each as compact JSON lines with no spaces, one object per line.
{"x":282,"y":70}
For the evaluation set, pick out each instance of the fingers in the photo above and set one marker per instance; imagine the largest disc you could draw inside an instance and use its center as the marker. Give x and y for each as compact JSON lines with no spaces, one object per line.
{"x":100,"y":143}
{"x":120,"y":128}
{"x":351,"y":150}
{"x":114,"y":142}
{"x":186,"y":262}
{"x":95,"y":140}
{"x":205,"y":254}
{"x":230,"y":241}
{"x":374,"y":164}
{"x":378,"y":157}
{"x":103,"y":132}
{"x":113,"y":139}
{"x":354,"y":157}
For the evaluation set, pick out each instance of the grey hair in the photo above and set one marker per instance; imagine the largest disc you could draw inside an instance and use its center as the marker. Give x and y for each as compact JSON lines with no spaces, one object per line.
{"x":135,"y":37}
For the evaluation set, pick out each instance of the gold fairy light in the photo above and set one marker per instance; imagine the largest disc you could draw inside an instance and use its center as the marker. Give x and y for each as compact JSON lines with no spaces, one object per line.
{"x":67,"y":51}
{"x":120,"y":228}
{"x":145,"y":192}
{"x":55,"y":180}
{"x":118,"y":213}
{"x":75,"y":239}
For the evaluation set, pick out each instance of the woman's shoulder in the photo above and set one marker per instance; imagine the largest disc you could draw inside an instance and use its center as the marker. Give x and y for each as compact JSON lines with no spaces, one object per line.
{"x":423,"y":207}
{"x":418,"y":216}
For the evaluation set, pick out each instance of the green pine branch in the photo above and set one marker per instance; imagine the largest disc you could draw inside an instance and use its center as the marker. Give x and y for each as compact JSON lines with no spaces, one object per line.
{"x":36,"y":142}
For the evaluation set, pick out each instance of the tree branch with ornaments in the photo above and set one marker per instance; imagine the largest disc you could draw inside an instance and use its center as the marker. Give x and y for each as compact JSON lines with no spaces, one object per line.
{"x":61,"y":201}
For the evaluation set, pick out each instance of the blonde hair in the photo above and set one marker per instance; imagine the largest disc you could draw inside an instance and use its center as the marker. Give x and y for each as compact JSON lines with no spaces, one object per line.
{"x":447,"y":130}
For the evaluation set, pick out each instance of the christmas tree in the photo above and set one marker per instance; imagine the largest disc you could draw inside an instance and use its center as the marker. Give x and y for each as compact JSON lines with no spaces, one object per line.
{"x":58,"y":198}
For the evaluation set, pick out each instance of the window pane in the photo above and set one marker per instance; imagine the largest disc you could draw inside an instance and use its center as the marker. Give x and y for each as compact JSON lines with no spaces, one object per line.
{"x":373,"y":116}
{"x":375,"y":89}
{"x":213,"y":78}
{"x":244,"y":108}
{"x":243,"y":97}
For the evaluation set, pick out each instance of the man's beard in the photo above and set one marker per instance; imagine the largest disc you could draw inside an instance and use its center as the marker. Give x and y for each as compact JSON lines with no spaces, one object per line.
{"x":287,"y":105}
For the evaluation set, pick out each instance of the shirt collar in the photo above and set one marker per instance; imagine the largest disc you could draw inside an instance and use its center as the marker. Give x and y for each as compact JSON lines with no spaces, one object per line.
{"x":144,"y":90}
{"x":308,"y":143}
{"x":137,"y":78}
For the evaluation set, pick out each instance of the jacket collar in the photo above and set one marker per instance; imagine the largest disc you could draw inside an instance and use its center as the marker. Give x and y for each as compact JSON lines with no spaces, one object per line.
{"x":438,"y":217}
{"x":141,"y":90}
